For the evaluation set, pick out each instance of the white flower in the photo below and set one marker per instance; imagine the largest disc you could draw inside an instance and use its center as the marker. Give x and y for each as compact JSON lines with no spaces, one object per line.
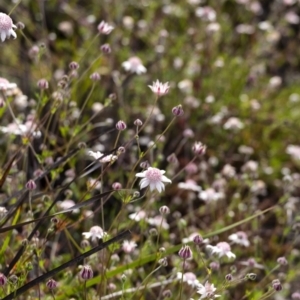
{"x":293,"y":151}
{"x":6,"y":85}
{"x":189,"y":184}
{"x":188,"y":277}
{"x":96,"y":232}
{"x":134,"y":65}
{"x":103,"y":157}
{"x":251,"y":262}
{"x":206,"y":13}
{"x":138,"y":216}
{"x":159,"y":88}
{"x":207,"y":291}
{"x":67,"y":204}
{"x":210,"y":194}
{"x":233,"y":124}
{"x":3,"y":212}
{"x":6,"y":27}
{"x":240,"y":238}
{"x":21,"y":129}
{"x":158,"y":221}
{"x":228,"y":171}
{"x":221,"y":249}
{"x":105,"y":28}
{"x":154,"y":178}
{"x":128,"y":246}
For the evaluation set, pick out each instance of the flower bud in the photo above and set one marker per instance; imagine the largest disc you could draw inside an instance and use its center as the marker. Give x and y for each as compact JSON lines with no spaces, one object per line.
{"x":121,"y":125}
{"x":105,"y":48}
{"x":95,"y":76}
{"x":177,"y":111}
{"x":73,"y":65}
{"x":185,"y":252}
{"x":43,"y":84}
{"x":86,"y":273}
{"x":51,"y":284}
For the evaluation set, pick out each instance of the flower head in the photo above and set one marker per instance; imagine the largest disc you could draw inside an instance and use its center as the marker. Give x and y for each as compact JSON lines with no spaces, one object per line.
{"x":134,"y":65}
{"x":102,"y":157}
{"x":240,"y":238}
{"x":138,"y":216}
{"x":6,"y":27}
{"x":105,"y":28}
{"x":128,"y":246}
{"x":188,"y":277}
{"x":5,"y":84}
{"x":198,"y":148}
{"x":96,"y":232}
{"x":293,"y":151}
{"x":154,"y":178}
{"x":207,"y":291}
{"x":160,"y":88}
{"x":221,"y":249}
{"x":210,"y":195}
{"x":234,"y":124}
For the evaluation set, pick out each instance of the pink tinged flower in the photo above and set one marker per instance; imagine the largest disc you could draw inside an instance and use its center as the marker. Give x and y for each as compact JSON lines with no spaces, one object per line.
{"x":282,"y":261}
{"x":240,"y":238}
{"x":128,"y":246}
{"x":138,"y":216}
{"x":103,"y":158}
{"x":6,"y":27}
{"x":105,"y":28}
{"x":221,"y":249}
{"x":198,"y":148}
{"x":206,"y":13}
{"x":153,"y":178}
{"x":5,"y":84}
{"x":22,"y":129}
{"x":134,"y":65}
{"x":207,"y":291}
{"x":159,"y":222}
{"x":251,"y":262}
{"x":188,"y":277}
{"x":296,"y":296}
{"x":293,"y":151}
{"x":190,"y":185}
{"x":210,"y":195}
{"x":68,"y":204}
{"x":233,"y":124}
{"x":159,"y":88}
{"x":96,"y":232}
{"x":292,"y":18}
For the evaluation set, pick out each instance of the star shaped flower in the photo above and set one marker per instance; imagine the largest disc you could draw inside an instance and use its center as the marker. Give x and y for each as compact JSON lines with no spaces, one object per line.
{"x":153,"y":178}
{"x":6,"y":27}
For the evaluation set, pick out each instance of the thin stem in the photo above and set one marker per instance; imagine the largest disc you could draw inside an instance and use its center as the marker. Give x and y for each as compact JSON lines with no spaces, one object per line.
{"x":133,"y":290}
{"x":181,"y":281}
{"x":14,"y":7}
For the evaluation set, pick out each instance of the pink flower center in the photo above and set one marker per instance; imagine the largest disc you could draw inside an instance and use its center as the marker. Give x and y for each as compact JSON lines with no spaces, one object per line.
{"x":153,"y":175}
{"x":5,"y":22}
{"x":224,"y":246}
